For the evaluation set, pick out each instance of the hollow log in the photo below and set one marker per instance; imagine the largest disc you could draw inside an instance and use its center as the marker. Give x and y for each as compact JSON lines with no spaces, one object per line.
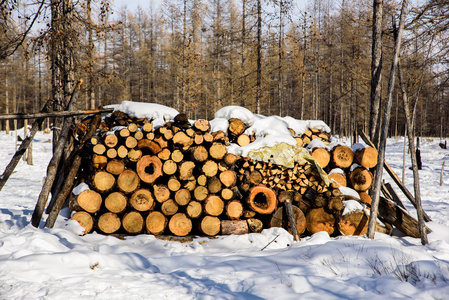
{"x":149,"y":145}
{"x":149,"y":168}
{"x":262,"y":199}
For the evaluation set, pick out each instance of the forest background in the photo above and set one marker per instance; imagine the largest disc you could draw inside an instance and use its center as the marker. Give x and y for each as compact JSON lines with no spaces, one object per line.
{"x":311,"y":61}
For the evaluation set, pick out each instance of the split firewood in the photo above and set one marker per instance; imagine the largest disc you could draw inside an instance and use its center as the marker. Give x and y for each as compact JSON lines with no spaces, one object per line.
{"x":133,"y":222}
{"x":234,"y":227}
{"x":109,"y":223}
{"x":142,"y":200}
{"x":116,"y":202}
{"x":128,"y":181}
{"x":180,"y":224}
{"x":156,"y":222}
{"x":85,"y":220}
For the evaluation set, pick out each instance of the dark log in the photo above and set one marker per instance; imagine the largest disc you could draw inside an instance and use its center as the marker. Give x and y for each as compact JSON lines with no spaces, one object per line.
{"x":60,"y":114}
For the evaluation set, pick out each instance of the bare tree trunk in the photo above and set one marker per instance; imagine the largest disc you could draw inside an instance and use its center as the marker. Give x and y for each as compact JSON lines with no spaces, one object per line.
{"x":376,"y":70}
{"x":408,"y":119}
{"x":243,"y":75}
{"x":385,"y":125}
{"x":259,"y":57}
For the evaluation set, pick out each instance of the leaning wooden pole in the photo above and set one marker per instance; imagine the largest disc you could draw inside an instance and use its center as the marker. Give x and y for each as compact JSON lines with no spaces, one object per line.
{"x":68,"y":184}
{"x":53,"y":166}
{"x":59,"y":114}
{"x":408,"y":118}
{"x":23,"y":147}
{"x":385,"y":125}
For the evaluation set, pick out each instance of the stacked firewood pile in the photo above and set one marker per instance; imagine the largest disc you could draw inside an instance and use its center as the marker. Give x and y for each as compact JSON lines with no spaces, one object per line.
{"x":179,"y":179}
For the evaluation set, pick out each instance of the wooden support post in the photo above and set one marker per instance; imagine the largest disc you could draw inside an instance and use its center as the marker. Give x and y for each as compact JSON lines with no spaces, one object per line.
{"x":441,"y":174}
{"x":68,"y":184}
{"x":291,"y":219}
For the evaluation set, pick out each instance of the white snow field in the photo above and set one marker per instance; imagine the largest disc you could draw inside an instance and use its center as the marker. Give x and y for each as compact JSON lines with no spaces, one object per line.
{"x":60,"y":263}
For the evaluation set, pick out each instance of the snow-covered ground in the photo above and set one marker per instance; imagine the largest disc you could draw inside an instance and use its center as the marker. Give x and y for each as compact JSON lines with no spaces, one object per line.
{"x":58,"y":263}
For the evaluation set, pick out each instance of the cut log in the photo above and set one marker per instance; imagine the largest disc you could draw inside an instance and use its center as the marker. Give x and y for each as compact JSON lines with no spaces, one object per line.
{"x":182,"y":197}
{"x":99,"y":149}
{"x":279,"y":219}
{"x":164,"y":154}
{"x":115,"y":167}
{"x":322,"y":156}
{"x":142,"y":200}
{"x":210,"y":168}
{"x":156,"y":222}
{"x":122,"y":152}
{"x":234,"y":227}
{"x":177,"y":156}
{"x":200,"y":193}
{"x":214,"y":185}
{"x":255,"y":225}
{"x":186,"y":170}
{"x":134,"y":155}
{"x":202,"y":125}
{"x":335,"y":204}
{"x":243,"y":140}
{"x":198,"y":138}
{"x":262,"y":199}
{"x":353,"y":223}
{"x":88,"y":200}
{"x":217,"y":151}
{"x":133,"y":222}
{"x":99,"y":161}
{"x":200,"y":153}
{"x":103,"y":181}
{"x":181,"y":139}
{"x":149,"y":145}
{"x":123,"y":133}
{"x":230,"y":159}
{"x":169,"y":167}
{"x":116,"y":202}
{"x":189,"y":185}
{"x":128,"y":181}
{"x":213,"y":205}
{"x":138,"y":135}
{"x":169,"y":207}
{"x":338,"y":176}
{"x":255,"y":177}
{"x":228,"y":178}
{"x":173,"y":184}
{"x":180,"y":224}
{"x":194,"y":209}
{"x":147,"y":127}
{"x":210,"y":225}
{"x":109,"y":223}
{"x":366,"y":157}
{"x":161,"y":193}
{"x":319,"y":220}
{"x":149,"y":168}
{"x":361,"y":179}
{"x":342,"y":156}
{"x":234,"y":209}
{"x":201,"y":180}
{"x":130,"y":142}
{"x":365,"y":198}
{"x":85,"y":220}
{"x":111,"y":153}
{"x":236,"y":126}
